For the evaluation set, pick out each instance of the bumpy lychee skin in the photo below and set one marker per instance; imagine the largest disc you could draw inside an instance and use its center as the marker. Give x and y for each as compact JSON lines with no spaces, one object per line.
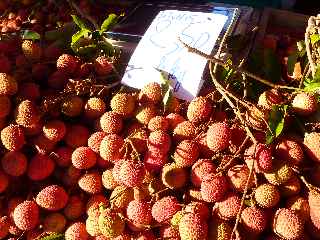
{"x":262,"y":155}
{"x":4,"y":227}
{"x":304,"y":104}
{"x":228,"y":208}
{"x":200,"y":170}
{"x":218,"y":136}
{"x":199,"y":110}
{"x":213,"y":189}
{"x":121,"y":196}
{"x":158,"y":123}
{"x":40,"y":167}
{"x":91,"y":182}
{"x":111,"y":122}
{"x":31,"y":50}
{"x":151,"y":93}
{"x":139,"y":140}
{"x":289,"y":151}
{"x":123,"y":103}
{"x":174,"y":119}
{"x":238,"y":176}
{"x":257,"y":118}
{"x":102,"y":66}
{"x":5,"y":106}
{"x":200,"y":208}
{"x":287,"y":224}
{"x":76,"y":231}
{"x":26,"y":215}
{"x":254,"y":219}
{"x":94,"y":203}
{"x":108,"y":180}
{"x":159,"y":141}
{"x":54,"y":130}
{"x":92,"y":225}
{"x":168,"y":232}
{"x":280,"y":175}
{"x":139,"y":212}
{"x":312,"y":144}
{"x":291,"y":187}
{"x":165,"y":208}
{"x":72,"y":106}
{"x":83,"y":158}
{"x":145,"y":113}
{"x":110,"y":146}
{"x":94,"y":108}
{"x":269,"y":98}
{"x":173,"y":176}
{"x":314,"y":203}
{"x":4,"y":181}
{"x":27,"y":114}
{"x":12,"y":137}
{"x":186,"y":153}
{"x":184,"y":131}
{"x":62,"y":156}
{"x":111,"y":224}
{"x":52,"y":198}
{"x":267,"y":195}
{"x":74,"y":208}
{"x":131,"y":173}
{"x":54,"y":222}
{"x":67,"y":63}
{"x":205,"y":151}
{"x":94,"y":141}
{"x":300,"y":205}
{"x":192,"y":227}
{"x":8,"y":84}
{"x":155,"y":160}
{"x":14,"y":163}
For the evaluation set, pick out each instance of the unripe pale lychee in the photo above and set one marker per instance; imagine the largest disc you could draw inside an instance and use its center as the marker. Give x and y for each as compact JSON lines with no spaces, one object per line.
{"x":199,"y":110}
{"x":304,"y":104}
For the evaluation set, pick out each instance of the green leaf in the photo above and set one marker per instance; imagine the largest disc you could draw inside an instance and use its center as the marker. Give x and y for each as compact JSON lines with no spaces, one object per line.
{"x":54,"y":236}
{"x":166,"y":88}
{"x":78,"y":35}
{"x":314,"y":38}
{"x":292,"y":60}
{"x":79,"y":22}
{"x":30,"y":35}
{"x":106,"y":47}
{"x":109,"y":22}
{"x":276,"y":122}
{"x":312,"y":87}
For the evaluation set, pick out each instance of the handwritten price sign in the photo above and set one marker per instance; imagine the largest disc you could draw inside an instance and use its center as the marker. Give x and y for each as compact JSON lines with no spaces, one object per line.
{"x":160,"y":49}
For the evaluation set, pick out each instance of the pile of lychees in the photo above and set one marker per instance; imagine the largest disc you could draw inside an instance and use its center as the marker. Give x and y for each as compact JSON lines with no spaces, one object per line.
{"x":124,"y":166}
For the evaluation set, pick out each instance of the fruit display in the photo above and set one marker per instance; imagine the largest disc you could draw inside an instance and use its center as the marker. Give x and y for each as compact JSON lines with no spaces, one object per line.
{"x":83,"y":157}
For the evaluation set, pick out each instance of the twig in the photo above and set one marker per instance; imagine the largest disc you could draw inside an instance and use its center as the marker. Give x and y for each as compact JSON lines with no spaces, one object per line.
{"x":308,"y":49}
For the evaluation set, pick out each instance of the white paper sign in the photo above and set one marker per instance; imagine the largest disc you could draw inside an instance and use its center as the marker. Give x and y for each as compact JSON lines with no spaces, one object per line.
{"x":160,"y":49}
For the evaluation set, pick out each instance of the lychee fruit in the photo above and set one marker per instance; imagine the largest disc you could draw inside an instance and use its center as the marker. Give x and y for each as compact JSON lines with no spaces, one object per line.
{"x":12,"y":137}
{"x":174,"y":119}
{"x":238,"y":176}
{"x":254,"y":219}
{"x":29,"y":90}
{"x":131,"y":173}
{"x":71,"y":176}
{"x":67,"y":63}
{"x":52,"y":198}
{"x":111,"y":224}
{"x":192,"y":227}
{"x":199,"y":110}
{"x":83,"y":158}
{"x":159,"y":141}
{"x":213,"y":189}
{"x":62,"y":156}
{"x":40,"y":167}
{"x":186,"y":153}
{"x":267,"y":195}
{"x":72,"y":106}
{"x":77,"y":136}
{"x":8,"y":84}
{"x":304,"y":104}
{"x":54,"y":222}
{"x":280,"y":175}
{"x":200,"y":170}
{"x":31,"y":50}
{"x":5,"y":65}
{"x":95,"y":140}
{"x":300,"y":205}
{"x":257,"y":118}
{"x":155,"y":160}
{"x":76,"y":231}
{"x":4,"y":181}
{"x":103,"y":66}
{"x":291,"y":187}
{"x":218,"y":136}
{"x":168,"y":232}
{"x":269,"y":98}
{"x":94,"y":203}
{"x":145,"y":113}
{"x":173,"y":176}
{"x":312,"y":143}
{"x":108,"y":180}
{"x":4,"y":227}
{"x":111,"y":122}
{"x":165,"y":208}
{"x":26,"y":215}
{"x":184,"y":131}
{"x":151,"y":93}
{"x":229,"y":207}
{"x":14,"y":163}
{"x":287,"y":224}
{"x":110,"y":147}
{"x":54,"y":130}
{"x":121,"y":196}
{"x":289,"y":151}
{"x":139,"y":140}
{"x":91,"y":182}
{"x":205,"y":151}
{"x":200,"y":208}
{"x":94,"y":108}
{"x":123,"y":104}
{"x":158,"y":123}
{"x":92,"y":225}
{"x":313,"y":199}
{"x":262,"y":155}
{"x":139,"y":212}
{"x":42,"y":144}
{"x":5,"y":106}
{"x":27,"y":114}
{"x":74,"y":208}
{"x":219,"y":229}
{"x":57,"y":80}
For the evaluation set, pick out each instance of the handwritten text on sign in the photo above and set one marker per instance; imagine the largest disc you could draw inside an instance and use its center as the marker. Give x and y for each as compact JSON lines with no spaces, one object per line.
{"x":160,"y":49}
